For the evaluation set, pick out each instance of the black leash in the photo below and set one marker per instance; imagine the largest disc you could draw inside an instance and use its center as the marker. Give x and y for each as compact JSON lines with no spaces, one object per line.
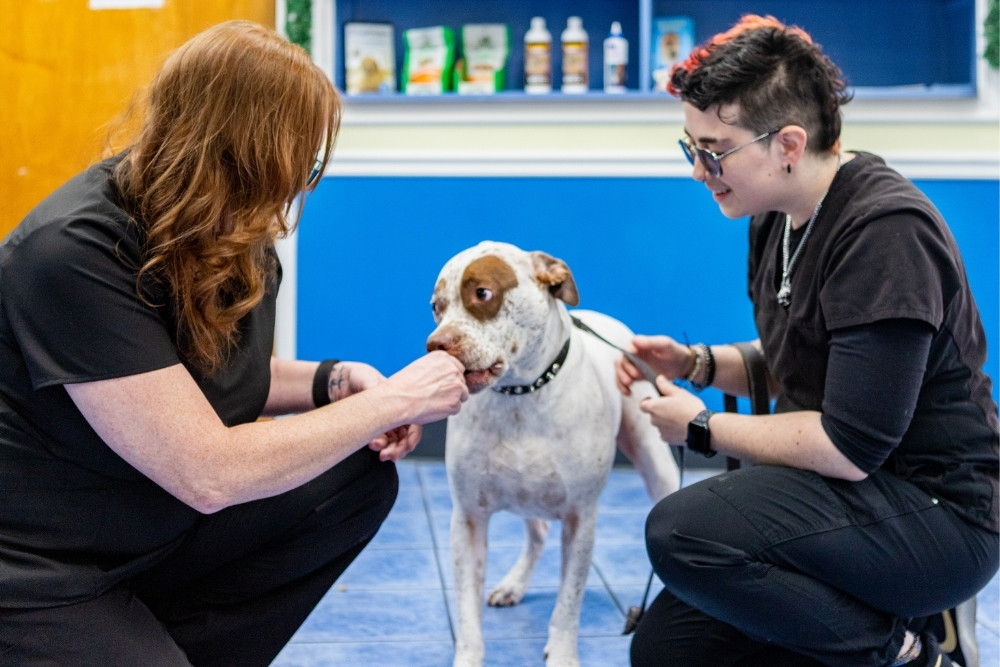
{"x":644,"y":368}
{"x":635,"y":613}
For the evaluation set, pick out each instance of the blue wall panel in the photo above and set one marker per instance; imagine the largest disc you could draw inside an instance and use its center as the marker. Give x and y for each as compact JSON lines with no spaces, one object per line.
{"x":653,"y":252}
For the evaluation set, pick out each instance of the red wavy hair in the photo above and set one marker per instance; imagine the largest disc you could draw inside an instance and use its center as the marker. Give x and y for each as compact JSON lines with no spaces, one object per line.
{"x":228,"y":140}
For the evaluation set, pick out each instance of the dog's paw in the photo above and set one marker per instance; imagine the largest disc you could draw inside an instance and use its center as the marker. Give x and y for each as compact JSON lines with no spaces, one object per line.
{"x":506,"y":595}
{"x":561,"y":658}
{"x":468,"y":657}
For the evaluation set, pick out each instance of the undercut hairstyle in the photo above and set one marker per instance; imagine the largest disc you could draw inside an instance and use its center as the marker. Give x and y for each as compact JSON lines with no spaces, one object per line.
{"x":773,"y":74}
{"x":230,"y":133}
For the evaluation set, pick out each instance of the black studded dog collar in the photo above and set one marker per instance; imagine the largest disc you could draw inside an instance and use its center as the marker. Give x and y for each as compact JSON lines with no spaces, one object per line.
{"x":543,"y":379}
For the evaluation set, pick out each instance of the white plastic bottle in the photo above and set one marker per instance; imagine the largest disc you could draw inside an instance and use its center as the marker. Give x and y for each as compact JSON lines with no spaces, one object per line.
{"x":537,"y":58}
{"x":615,"y":60}
{"x":575,"y":77}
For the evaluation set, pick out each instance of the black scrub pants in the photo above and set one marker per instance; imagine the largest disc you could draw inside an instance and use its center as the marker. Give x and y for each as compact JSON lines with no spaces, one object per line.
{"x":232,"y":593}
{"x":774,"y":566}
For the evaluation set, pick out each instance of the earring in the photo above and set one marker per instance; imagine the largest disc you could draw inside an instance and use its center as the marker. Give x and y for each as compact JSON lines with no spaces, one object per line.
{"x":788,"y":168}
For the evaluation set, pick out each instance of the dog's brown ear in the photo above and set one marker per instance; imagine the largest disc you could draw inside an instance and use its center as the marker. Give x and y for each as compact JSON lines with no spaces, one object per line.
{"x":556,"y":275}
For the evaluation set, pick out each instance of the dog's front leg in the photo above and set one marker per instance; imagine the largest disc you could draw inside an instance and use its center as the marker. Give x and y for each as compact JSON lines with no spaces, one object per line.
{"x":577,"y":549}
{"x":468,"y":560}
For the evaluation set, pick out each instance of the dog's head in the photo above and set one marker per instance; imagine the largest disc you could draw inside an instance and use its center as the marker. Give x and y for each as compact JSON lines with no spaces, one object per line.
{"x":493,"y":304}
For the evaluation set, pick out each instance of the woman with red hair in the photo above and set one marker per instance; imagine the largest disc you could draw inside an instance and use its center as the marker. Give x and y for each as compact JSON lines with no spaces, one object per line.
{"x":149,"y":517}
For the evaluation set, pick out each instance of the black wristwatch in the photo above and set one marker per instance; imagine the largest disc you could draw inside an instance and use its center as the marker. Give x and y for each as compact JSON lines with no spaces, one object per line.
{"x":699,"y":439}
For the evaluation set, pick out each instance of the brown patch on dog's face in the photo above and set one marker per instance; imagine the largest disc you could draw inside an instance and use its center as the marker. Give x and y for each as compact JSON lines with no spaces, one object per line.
{"x":484,"y":283}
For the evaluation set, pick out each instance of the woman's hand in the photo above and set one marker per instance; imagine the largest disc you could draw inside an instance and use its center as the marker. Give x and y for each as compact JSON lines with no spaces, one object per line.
{"x":672,"y":411}
{"x":665,"y":355}
{"x":433,"y":387}
{"x":397,"y":443}
{"x":351,"y":377}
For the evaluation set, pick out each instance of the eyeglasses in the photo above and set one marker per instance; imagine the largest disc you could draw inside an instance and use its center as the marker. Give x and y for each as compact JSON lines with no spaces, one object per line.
{"x":711,"y":160}
{"x":316,"y":172}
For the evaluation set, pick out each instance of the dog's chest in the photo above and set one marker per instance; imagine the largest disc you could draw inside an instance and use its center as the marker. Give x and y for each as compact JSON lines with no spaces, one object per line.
{"x":529,"y":475}
{"x":534,"y":454}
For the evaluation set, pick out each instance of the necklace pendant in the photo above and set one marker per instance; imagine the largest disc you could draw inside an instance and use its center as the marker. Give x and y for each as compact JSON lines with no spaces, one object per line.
{"x":785,"y":295}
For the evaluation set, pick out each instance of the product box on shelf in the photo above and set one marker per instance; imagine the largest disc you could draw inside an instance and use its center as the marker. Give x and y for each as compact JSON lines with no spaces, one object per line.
{"x":369,"y":58}
{"x":672,"y":41}
{"x":428,"y":60}
{"x":482,"y":67}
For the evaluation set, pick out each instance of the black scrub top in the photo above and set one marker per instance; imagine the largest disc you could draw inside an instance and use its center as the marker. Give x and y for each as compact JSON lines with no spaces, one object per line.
{"x":75,"y":518}
{"x":880,"y":250}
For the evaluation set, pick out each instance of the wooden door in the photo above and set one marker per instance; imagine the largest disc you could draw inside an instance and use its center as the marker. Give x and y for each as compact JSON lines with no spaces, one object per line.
{"x":68,"y":71}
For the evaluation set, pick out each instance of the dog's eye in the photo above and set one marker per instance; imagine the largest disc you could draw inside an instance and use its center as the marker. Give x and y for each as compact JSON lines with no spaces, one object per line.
{"x":484,"y":293}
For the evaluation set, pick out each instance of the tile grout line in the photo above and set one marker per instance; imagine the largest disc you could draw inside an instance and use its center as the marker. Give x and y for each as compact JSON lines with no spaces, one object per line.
{"x":607,"y":586}
{"x":434,"y":541}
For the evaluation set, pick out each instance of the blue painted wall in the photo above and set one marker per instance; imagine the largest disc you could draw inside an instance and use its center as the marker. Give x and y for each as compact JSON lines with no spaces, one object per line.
{"x":653,"y":252}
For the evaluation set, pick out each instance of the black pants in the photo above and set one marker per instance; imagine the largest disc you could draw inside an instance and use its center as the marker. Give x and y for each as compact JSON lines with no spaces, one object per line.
{"x":232,"y":593}
{"x":775,"y":566}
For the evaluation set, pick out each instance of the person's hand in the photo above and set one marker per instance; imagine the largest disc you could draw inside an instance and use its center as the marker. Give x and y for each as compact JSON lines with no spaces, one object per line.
{"x":433,"y":385}
{"x":396,"y":444}
{"x":352,"y":377}
{"x":672,"y":411}
{"x":665,"y":355}
{"x":431,"y":388}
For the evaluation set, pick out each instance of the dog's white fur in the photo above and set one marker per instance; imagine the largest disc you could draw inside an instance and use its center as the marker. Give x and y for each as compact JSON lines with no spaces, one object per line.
{"x":546,"y":454}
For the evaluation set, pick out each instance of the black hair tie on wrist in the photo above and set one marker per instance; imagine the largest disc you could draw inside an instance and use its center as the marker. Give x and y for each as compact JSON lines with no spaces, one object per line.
{"x":321,"y":382}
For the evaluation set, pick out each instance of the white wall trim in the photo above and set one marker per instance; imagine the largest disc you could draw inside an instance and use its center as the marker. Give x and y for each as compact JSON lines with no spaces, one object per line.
{"x":642,"y":108}
{"x":656,"y":163}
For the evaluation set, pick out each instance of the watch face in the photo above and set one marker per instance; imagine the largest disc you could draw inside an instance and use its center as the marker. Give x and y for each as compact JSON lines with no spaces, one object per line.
{"x":699,"y":438}
{"x":697,"y":435}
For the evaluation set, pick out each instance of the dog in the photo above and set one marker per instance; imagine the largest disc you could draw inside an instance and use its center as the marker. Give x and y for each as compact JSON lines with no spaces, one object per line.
{"x":537,"y":436}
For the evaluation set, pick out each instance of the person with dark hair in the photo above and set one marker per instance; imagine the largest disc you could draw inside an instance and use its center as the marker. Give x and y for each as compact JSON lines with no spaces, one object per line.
{"x":872,"y":497}
{"x":149,"y":516}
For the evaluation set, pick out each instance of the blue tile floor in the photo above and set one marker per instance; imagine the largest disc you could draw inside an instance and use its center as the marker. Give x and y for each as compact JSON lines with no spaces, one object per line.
{"x":394,"y":605}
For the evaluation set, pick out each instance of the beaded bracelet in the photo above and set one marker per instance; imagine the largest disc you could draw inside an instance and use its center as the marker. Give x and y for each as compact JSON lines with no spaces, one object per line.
{"x":321,"y":382}
{"x":696,"y":368}
{"x":706,"y":354}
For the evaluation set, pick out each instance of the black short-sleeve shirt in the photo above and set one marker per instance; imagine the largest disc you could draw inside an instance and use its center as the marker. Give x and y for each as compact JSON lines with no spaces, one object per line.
{"x":880,"y":250}
{"x":75,"y":517}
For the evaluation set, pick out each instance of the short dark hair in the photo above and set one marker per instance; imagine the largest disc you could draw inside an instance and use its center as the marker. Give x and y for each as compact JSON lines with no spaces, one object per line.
{"x":775,"y":74}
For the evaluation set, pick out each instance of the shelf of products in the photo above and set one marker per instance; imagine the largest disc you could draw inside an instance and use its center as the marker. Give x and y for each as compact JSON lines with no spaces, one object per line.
{"x":891,"y":48}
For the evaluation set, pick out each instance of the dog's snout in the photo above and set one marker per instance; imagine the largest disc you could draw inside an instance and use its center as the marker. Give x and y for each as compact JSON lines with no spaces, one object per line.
{"x":442,"y":339}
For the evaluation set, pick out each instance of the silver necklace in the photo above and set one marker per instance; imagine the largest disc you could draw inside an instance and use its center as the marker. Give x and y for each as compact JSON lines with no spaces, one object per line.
{"x":785,"y":291}
{"x":787,"y":264}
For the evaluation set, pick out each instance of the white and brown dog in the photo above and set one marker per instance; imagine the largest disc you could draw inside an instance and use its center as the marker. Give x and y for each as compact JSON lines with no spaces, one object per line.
{"x":538,"y":438}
